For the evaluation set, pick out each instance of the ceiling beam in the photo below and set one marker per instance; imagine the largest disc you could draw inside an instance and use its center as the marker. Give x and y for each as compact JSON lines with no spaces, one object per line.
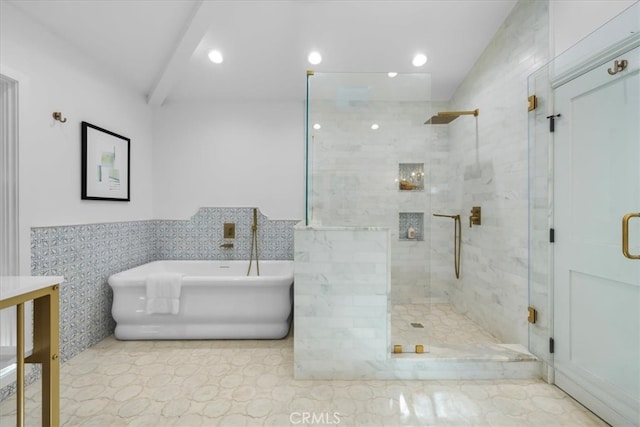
{"x":194,"y":30}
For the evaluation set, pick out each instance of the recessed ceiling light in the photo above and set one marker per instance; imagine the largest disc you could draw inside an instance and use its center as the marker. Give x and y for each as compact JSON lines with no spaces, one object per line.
{"x":419,"y":60}
{"x":392,"y":74}
{"x":315,"y":58}
{"x":317,"y":126}
{"x":215,"y":56}
{"x":375,"y":126}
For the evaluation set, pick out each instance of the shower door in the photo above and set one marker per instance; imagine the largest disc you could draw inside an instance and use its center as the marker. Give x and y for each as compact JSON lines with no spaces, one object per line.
{"x":596,"y":287}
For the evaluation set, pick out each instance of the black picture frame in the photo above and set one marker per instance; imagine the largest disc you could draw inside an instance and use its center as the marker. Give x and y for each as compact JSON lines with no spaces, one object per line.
{"x":105,"y":164}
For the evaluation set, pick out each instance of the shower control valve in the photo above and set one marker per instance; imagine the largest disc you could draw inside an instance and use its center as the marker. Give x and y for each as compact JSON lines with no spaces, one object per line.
{"x":476,"y":216}
{"x":229,"y":230}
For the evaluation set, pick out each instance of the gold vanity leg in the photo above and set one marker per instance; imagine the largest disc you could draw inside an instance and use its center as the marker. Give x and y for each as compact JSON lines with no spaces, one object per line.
{"x":46,"y":352}
{"x":20,"y":365}
{"x":55,"y":352}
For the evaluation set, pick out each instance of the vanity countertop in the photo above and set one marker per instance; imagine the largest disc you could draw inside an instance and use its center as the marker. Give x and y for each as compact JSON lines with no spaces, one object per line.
{"x":11,"y":286}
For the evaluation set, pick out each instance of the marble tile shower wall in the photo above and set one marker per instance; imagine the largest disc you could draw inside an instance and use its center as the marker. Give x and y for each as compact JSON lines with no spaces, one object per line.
{"x":354,"y":180}
{"x":442,"y":229}
{"x":489,"y":157}
{"x":86,"y":255}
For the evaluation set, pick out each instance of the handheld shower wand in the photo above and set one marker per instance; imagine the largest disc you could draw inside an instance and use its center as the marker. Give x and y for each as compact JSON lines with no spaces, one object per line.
{"x":457,"y":241}
{"x":254,"y":242}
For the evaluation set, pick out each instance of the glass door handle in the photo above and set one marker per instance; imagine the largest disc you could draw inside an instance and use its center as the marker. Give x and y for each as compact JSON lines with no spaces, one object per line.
{"x":625,"y":235}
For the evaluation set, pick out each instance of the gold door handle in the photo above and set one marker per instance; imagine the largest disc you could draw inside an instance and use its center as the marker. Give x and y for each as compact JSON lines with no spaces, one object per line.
{"x":625,"y":235}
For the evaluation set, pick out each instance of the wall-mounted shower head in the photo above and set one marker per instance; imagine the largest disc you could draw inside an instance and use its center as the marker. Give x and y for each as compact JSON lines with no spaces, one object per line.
{"x":446,"y":117}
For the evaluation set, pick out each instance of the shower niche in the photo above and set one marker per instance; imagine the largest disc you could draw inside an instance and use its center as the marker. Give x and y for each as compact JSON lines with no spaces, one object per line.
{"x":411,"y":176}
{"x":411,"y":226}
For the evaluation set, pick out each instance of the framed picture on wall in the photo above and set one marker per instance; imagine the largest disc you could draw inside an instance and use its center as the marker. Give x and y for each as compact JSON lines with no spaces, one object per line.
{"x":105,"y":164}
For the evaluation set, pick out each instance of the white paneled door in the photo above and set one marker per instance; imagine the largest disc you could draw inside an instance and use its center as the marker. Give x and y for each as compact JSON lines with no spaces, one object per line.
{"x":596,"y":287}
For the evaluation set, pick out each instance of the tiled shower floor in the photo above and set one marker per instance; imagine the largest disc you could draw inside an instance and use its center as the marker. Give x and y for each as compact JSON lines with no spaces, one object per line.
{"x":448,"y":335}
{"x":442,"y":325}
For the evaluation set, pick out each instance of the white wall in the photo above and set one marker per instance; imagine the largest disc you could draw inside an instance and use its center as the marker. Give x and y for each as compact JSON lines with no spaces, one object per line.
{"x":571,"y":21}
{"x":229,"y":155}
{"x":54,"y":77}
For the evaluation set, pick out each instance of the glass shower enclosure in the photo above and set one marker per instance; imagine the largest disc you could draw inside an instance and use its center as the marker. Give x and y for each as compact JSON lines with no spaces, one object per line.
{"x":367,"y":165}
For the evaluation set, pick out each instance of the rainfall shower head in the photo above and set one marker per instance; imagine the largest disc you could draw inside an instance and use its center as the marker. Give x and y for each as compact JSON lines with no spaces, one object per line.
{"x":446,"y":117}
{"x":440,"y":120}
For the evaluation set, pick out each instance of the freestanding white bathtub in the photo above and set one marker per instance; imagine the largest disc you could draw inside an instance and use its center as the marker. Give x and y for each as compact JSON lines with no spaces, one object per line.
{"x":217,"y":301}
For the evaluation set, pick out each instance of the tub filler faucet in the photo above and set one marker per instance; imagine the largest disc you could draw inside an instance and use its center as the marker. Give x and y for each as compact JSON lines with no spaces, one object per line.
{"x":254,"y":243}
{"x":227,"y":246}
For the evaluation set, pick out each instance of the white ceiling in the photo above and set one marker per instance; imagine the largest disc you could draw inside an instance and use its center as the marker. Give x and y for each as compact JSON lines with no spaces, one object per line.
{"x":159,"y":47}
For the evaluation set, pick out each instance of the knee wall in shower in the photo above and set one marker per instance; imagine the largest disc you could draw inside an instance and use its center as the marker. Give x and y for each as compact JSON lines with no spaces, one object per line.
{"x":340,"y":301}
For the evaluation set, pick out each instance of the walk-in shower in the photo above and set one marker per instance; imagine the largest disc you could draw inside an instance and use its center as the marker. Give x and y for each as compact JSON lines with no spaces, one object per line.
{"x":372,"y":163}
{"x":368,"y":165}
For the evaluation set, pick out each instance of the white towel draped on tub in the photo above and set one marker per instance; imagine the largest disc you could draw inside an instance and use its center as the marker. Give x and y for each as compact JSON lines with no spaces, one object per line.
{"x":163,"y":293}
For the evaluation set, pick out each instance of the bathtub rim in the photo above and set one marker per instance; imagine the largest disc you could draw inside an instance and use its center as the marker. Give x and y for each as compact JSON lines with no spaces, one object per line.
{"x":135,"y":275}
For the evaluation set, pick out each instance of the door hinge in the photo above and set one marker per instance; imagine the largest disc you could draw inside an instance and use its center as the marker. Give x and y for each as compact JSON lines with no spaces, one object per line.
{"x":552,"y":235}
{"x":551,"y":346}
{"x":533,"y":102}
{"x":552,"y":122}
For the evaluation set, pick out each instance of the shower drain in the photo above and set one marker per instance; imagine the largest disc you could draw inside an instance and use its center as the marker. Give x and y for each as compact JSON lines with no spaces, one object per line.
{"x":417,"y":325}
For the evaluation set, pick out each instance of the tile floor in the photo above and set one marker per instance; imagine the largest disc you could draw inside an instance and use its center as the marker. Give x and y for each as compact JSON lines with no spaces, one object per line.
{"x":250,"y":383}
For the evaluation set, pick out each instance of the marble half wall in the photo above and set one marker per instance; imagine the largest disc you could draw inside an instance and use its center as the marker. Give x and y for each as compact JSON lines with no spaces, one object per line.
{"x":341,"y":314}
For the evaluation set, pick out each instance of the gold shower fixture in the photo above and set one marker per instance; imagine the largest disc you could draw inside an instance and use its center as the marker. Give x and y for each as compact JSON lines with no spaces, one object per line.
{"x":457,"y":241}
{"x":446,"y":117}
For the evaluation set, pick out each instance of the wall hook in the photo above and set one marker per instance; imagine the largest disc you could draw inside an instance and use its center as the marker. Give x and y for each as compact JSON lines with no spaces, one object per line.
{"x":58,"y":116}
{"x":618,"y":66}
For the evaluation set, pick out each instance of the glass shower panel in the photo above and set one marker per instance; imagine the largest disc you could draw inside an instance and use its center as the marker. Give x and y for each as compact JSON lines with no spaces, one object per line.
{"x":540,"y":213}
{"x":368,"y":166}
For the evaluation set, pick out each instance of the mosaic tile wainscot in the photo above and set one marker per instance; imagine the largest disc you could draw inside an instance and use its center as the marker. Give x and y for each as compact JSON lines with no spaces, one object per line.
{"x":86,"y":255}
